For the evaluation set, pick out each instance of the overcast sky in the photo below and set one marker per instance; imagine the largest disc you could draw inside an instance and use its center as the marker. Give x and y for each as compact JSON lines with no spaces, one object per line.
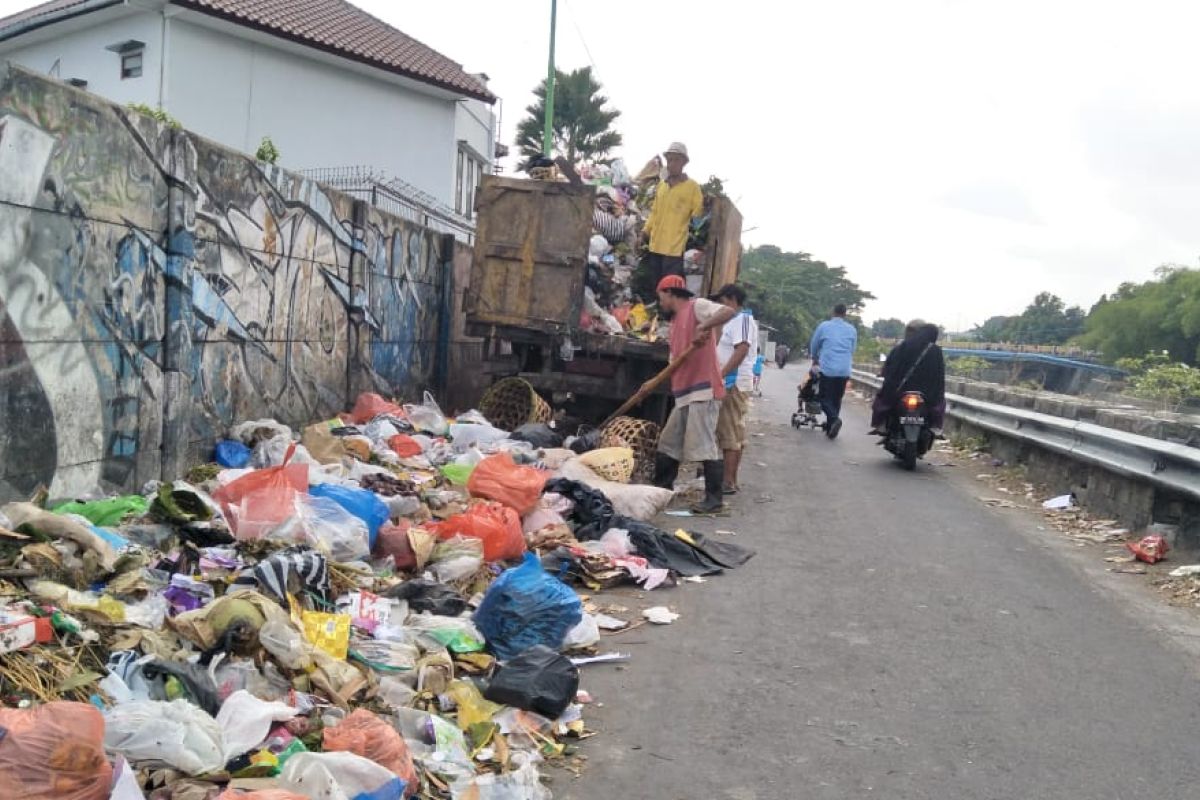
{"x":957,"y":156}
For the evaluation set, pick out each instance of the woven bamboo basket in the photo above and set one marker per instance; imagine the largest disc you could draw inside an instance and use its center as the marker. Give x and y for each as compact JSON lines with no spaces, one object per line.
{"x":615,"y":464}
{"x":513,"y":402}
{"x":639,"y":435}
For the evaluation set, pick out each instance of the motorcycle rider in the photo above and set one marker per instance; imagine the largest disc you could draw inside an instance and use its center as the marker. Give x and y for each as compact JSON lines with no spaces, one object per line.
{"x":920,"y":359}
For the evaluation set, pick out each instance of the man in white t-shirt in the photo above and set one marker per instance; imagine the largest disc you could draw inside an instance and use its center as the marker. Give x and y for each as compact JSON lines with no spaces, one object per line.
{"x":738,"y":343}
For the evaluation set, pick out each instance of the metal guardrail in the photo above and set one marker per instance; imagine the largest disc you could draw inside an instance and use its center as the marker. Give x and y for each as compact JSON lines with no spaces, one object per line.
{"x":1174,"y":467}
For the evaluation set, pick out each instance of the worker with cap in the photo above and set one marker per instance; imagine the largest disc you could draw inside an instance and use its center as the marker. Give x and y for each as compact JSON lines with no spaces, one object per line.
{"x":677,"y":200}
{"x":691,"y":431}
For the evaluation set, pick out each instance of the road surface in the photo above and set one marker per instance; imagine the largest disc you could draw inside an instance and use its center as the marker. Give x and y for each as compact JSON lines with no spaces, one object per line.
{"x":893,"y":638}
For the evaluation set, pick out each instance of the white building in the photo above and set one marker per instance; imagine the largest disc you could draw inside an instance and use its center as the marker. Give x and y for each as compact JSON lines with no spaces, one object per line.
{"x":331,"y":85}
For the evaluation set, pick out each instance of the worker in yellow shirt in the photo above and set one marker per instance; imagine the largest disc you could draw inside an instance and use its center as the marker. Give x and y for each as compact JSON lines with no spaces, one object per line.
{"x":676,"y":201}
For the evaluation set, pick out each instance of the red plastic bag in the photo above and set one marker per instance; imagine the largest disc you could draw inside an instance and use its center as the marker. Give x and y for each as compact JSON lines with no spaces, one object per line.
{"x":393,"y":541}
{"x":496,"y":525}
{"x":370,"y":405}
{"x":1150,"y":549}
{"x":366,"y":735}
{"x":499,"y":478}
{"x":257,"y":502}
{"x":54,"y":752}
{"x":404,"y":446}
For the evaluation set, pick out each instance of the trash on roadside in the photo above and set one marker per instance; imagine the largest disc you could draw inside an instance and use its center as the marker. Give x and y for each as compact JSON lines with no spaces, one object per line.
{"x":1060,"y":503}
{"x":1189,"y":571}
{"x":1150,"y":549}
{"x":539,"y":679}
{"x":660,"y":615}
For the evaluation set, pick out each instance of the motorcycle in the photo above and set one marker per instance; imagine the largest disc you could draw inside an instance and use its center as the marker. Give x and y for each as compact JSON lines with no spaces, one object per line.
{"x":909,"y":434}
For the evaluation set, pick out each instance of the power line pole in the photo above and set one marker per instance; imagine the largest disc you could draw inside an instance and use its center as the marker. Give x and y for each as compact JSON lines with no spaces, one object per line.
{"x":548,"y":130}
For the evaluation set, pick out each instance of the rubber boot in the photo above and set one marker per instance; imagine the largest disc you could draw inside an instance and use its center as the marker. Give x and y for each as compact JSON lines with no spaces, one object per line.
{"x":666,"y":470}
{"x":714,"y":495}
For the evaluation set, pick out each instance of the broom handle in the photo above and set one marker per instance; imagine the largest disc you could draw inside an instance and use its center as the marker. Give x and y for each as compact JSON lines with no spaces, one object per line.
{"x":652,"y":384}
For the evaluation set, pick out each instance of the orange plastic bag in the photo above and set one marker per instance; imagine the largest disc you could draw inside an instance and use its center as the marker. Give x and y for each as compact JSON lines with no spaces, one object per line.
{"x":496,"y":525}
{"x":54,"y":752}
{"x":499,"y":478}
{"x":370,"y":405}
{"x":257,"y":502}
{"x":366,"y":735}
{"x":404,"y":446}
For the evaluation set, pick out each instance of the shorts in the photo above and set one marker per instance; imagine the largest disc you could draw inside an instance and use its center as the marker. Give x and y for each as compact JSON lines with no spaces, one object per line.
{"x":731,"y":424}
{"x":691,"y":432}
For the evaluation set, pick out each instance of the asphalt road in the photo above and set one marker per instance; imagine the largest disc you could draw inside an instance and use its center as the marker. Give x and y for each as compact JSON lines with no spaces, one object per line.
{"x":893,"y":638}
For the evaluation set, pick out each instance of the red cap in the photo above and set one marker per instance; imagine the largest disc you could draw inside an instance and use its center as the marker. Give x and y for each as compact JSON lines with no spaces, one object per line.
{"x":672,"y":282}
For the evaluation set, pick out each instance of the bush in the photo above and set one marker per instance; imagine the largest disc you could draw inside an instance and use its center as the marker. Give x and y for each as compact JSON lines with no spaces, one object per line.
{"x":967,"y":366}
{"x":1169,"y":384}
{"x":156,"y":113}
{"x":267,"y":151}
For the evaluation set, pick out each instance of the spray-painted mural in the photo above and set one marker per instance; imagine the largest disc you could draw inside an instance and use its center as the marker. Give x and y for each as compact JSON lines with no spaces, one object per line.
{"x":152,"y":281}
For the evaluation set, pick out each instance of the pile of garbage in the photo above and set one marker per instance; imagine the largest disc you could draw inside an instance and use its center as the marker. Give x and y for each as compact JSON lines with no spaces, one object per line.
{"x":614,"y":302}
{"x":379,"y":606}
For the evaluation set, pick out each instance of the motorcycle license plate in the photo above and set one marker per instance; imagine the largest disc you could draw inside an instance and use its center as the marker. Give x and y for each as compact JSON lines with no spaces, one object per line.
{"x":912,"y":420}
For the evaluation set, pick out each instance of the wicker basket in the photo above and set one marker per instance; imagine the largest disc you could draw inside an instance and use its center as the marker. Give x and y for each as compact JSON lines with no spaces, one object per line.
{"x":513,"y":402}
{"x":639,"y":435}
{"x":611,"y":463}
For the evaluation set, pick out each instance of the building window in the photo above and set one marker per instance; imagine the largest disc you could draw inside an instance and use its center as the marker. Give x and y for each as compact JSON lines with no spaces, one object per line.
{"x":131,"y":65}
{"x":471,"y":167}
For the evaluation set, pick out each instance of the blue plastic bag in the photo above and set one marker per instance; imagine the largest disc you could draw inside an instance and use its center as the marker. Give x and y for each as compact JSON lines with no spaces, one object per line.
{"x":231,"y":454}
{"x":362,"y":503}
{"x":527,"y":606}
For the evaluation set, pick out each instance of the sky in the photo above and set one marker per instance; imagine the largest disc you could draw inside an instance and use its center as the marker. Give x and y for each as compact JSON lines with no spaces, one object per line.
{"x":956,"y":156}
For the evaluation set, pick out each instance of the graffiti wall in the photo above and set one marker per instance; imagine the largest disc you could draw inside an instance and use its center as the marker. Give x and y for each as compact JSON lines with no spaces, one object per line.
{"x":136,"y":259}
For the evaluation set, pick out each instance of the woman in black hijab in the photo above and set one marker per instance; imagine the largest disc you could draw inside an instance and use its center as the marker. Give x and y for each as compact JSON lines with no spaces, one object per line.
{"x":914,"y":365}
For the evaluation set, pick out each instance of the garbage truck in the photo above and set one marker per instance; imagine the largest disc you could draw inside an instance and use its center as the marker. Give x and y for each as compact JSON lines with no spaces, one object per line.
{"x":527,"y":291}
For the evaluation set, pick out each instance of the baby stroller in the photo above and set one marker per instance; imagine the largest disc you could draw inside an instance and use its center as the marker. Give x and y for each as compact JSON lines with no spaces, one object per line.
{"x":808,"y":413}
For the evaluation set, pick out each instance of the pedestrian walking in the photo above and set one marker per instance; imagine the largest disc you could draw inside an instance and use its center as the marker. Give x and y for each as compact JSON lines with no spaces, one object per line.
{"x":832,"y":347}
{"x":782,"y":351}
{"x":739,"y":338}
{"x":759,"y":361}
{"x":691,"y":431}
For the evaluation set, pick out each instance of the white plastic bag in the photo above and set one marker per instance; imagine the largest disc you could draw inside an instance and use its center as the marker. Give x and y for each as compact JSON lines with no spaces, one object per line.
{"x":467,"y":436}
{"x":286,"y":644}
{"x":402,"y":505}
{"x":339,"y":776}
{"x":520,"y":784}
{"x":326,"y":526}
{"x":246,"y":721}
{"x":177,"y":733}
{"x":585,"y":634}
{"x":427,"y":417}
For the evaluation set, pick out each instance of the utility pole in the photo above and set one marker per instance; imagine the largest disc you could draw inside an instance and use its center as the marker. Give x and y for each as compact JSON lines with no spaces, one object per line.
{"x":548,"y":130}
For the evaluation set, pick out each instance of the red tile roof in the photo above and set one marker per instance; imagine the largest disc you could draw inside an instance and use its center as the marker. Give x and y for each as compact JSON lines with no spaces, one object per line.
{"x":334,"y":26}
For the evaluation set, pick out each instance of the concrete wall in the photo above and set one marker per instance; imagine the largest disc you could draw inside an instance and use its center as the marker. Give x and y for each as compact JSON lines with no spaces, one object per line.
{"x":237,"y":91}
{"x":156,"y":287}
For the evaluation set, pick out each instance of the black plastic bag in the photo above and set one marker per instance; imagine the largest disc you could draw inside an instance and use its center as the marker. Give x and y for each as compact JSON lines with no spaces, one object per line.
{"x":538,"y":680}
{"x":538,"y":434}
{"x":426,"y":595}
{"x":586,"y":442}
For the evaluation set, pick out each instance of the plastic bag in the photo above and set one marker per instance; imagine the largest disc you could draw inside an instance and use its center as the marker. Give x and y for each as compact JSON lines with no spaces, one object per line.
{"x":520,"y":784}
{"x":405,"y":446}
{"x":456,"y":558}
{"x":538,"y":680}
{"x":363,"y":504}
{"x":286,"y":645}
{"x":1150,"y":549}
{"x":326,"y":525}
{"x":585,"y":634}
{"x":231,"y":454}
{"x":427,"y":417}
{"x":54,"y":752}
{"x":107,"y":513}
{"x":259,"y":501}
{"x":340,"y":776}
{"x":365,"y":734}
{"x":538,"y":434}
{"x":636,"y":501}
{"x":60,"y":526}
{"x":525,"y":607}
{"x":497,"y":526}
{"x":458,"y":474}
{"x":385,"y":656}
{"x":422,"y":595}
{"x":499,"y":478}
{"x":177,"y":733}
{"x":246,"y":722}
{"x":468,"y":436}
{"x":393,"y":542}
{"x":473,"y":709}
{"x":261,"y":794}
{"x":329,"y":632}
{"x":456,"y":634}
{"x":370,"y":405}
{"x":322,"y":445}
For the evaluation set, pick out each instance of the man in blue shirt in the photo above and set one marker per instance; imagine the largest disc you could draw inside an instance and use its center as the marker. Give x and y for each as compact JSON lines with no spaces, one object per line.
{"x":832,"y":347}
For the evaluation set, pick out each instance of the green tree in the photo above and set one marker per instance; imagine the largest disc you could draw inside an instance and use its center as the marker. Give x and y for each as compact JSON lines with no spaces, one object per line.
{"x":583,"y":122}
{"x":888,"y":328}
{"x":1159,"y":315}
{"x":1045,"y":321}
{"x":992,"y":330}
{"x":792,"y":292}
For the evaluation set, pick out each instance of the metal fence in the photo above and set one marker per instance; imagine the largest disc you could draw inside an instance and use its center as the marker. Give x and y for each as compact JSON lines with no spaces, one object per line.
{"x":395,"y":196}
